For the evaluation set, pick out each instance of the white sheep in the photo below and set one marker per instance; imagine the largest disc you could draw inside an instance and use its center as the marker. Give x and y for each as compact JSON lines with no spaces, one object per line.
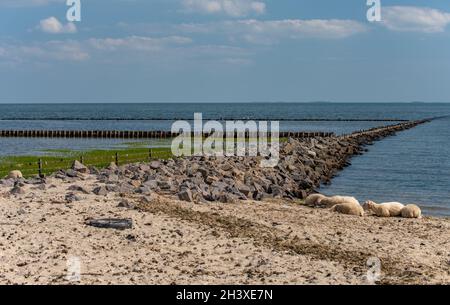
{"x":387,"y":209}
{"x":332,"y":201}
{"x":348,"y":208}
{"x":411,"y":211}
{"x":314,"y":200}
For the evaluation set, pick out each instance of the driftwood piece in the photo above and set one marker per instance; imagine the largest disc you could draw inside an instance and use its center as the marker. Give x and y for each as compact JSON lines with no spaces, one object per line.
{"x":110,"y":223}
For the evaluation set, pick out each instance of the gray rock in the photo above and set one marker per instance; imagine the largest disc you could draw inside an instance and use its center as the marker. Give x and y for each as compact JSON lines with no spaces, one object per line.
{"x":144,"y":190}
{"x":155,"y":164}
{"x":112,"y":166}
{"x":186,"y":195}
{"x":147,"y":199}
{"x":222,"y":186}
{"x":204,"y":172}
{"x":77,"y":188}
{"x":124,"y":203}
{"x":228,"y":198}
{"x":72,"y":173}
{"x":112,"y":188}
{"x":112,"y":178}
{"x":244,"y":189}
{"x":41,"y":187}
{"x":35,"y":181}
{"x":144,"y":168}
{"x":211,"y":179}
{"x":7,"y":182}
{"x":226,"y":167}
{"x":276,"y":191}
{"x":17,"y":190}
{"x":100,"y":191}
{"x":71,"y":197}
{"x":214,"y":194}
{"x":152,"y":184}
{"x":125,"y":188}
{"x":260,"y":195}
{"x":79,"y":167}
{"x":94,"y":170}
{"x":306,"y":184}
{"x":164,"y":185}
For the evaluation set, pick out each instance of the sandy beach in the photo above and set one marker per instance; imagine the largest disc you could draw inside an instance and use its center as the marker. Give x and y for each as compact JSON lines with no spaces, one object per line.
{"x":172,"y":242}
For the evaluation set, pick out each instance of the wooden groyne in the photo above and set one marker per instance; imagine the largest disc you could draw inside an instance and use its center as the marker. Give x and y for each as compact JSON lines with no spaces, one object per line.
{"x":161,"y":134}
{"x":121,"y":134}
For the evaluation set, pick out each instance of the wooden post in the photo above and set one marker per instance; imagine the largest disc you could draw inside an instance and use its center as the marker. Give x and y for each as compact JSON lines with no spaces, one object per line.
{"x":149,"y":154}
{"x":117,"y":159}
{"x":40,"y":168}
{"x":81,"y":159}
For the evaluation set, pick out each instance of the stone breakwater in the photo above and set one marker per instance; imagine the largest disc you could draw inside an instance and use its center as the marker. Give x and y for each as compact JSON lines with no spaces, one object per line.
{"x":304,"y":164}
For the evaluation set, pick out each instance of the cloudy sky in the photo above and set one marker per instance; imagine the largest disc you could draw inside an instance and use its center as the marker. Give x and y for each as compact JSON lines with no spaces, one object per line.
{"x":224,"y":51}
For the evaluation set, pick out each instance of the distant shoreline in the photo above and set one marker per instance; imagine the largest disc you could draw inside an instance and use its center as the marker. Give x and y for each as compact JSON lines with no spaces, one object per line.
{"x":209,"y":102}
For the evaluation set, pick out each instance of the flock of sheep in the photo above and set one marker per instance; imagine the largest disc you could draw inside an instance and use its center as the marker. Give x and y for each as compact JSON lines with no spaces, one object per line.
{"x":350,"y":206}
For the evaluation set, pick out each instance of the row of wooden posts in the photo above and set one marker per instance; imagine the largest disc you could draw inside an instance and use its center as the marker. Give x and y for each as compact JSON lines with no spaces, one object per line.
{"x":122,"y":134}
{"x":116,"y":157}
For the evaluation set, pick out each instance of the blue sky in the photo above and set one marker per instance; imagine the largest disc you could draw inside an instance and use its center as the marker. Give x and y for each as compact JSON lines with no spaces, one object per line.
{"x":224,"y":51}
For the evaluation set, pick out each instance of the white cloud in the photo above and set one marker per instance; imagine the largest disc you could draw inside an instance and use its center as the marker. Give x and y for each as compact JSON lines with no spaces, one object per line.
{"x":170,"y":50}
{"x":294,"y":29}
{"x":67,"y":50}
{"x":234,"y":8}
{"x":77,"y":51}
{"x":414,"y":19}
{"x":52,"y":25}
{"x":137,"y":43}
{"x":272,"y":31}
{"x":24,"y":3}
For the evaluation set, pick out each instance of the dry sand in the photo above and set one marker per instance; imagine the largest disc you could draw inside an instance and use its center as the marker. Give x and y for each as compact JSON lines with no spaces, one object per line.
{"x":175,"y":242}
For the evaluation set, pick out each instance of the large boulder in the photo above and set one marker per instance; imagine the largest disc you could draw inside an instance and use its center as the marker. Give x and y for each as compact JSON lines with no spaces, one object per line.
{"x":14,"y":175}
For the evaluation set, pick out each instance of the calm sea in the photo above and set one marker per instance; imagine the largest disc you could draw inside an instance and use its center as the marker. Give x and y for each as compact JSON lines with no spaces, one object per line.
{"x":414,"y":166}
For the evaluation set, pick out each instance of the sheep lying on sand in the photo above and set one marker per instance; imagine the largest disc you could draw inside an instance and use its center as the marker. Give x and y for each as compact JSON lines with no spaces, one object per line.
{"x":388,"y":209}
{"x":332,"y":201}
{"x":348,"y":208}
{"x":411,"y":211}
{"x":319,"y":200}
{"x":314,"y":200}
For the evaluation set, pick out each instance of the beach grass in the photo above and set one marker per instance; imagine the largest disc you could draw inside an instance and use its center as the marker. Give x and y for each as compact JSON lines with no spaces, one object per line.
{"x":53,"y":160}
{"x":29,"y":165}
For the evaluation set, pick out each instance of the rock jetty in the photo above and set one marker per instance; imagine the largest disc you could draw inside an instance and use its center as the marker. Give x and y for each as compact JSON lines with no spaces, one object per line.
{"x":303,"y":166}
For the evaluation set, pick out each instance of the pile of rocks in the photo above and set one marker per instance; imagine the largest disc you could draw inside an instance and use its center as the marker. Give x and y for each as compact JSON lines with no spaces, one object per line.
{"x":304,"y":164}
